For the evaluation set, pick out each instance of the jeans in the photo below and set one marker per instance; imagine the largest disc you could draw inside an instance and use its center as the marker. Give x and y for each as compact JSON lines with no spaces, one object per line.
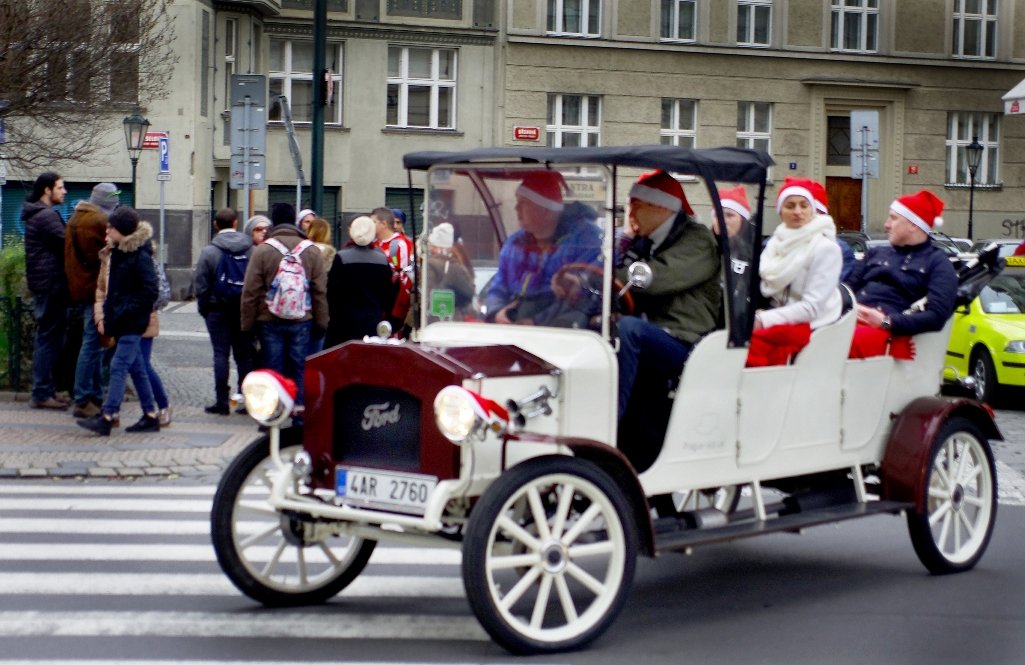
{"x":88,"y":384}
{"x":155,"y":384}
{"x":128,"y":360}
{"x":227,"y":338}
{"x":645,"y":345}
{"x":316,"y":343}
{"x":51,"y":314}
{"x":284,"y":350}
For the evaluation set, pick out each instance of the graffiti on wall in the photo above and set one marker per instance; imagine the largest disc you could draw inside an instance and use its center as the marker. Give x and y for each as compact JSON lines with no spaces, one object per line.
{"x":1014,"y":228}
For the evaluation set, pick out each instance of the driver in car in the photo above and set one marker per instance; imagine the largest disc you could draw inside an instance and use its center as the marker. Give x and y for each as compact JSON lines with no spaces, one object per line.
{"x":551,"y":235}
{"x":682,"y":302}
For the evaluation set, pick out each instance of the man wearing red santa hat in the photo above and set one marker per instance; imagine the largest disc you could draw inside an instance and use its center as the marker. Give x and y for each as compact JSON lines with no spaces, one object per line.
{"x":891,"y":278}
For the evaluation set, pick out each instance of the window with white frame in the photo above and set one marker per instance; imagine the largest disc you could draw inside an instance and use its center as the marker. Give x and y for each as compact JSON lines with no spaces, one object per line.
{"x":421,"y":87}
{"x":573,"y":120}
{"x":580,"y":18}
{"x":679,"y":20}
{"x":975,"y":28}
{"x":855,"y":25}
{"x":291,"y":75}
{"x":679,"y":122}
{"x":754,"y":125}
{"x":962,"y":128}
{"x":230,"y":57}
{"x":754,"y":22}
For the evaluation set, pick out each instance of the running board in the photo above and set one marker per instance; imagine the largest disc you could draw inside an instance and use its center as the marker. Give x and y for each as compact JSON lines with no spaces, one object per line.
{"x":685,"y":538}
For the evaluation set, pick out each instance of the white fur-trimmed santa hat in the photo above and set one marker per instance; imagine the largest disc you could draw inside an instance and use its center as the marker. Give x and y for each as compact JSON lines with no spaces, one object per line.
{"x":735,"y":199}
{"x":923,"y":209}
{"x":802,"y":187}
{"x":543,"y":188}
{"x":660,"y":189}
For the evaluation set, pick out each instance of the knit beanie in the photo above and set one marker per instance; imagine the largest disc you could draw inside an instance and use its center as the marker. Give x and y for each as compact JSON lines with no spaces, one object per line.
{"x":255,"y":221}
{"x":124,"y":219}
{"x":105,"y":196}
{"x":362,"y":230}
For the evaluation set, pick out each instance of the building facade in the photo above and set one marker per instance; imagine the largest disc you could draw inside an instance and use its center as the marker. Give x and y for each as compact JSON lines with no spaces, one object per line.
{"x":781,"y":75}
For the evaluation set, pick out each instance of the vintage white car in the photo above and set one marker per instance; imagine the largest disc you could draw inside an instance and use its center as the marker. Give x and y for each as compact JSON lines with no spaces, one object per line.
{"x":502,"y":440}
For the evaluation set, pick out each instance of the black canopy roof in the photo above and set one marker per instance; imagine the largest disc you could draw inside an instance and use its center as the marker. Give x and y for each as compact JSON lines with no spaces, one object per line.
{"x":730,"y":164}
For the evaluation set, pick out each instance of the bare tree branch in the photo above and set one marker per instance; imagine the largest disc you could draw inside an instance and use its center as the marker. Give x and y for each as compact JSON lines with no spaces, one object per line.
{"x":70,"y":69}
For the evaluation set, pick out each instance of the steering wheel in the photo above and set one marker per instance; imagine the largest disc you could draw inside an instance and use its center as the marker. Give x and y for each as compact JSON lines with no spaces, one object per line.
{"x":626,"y":301}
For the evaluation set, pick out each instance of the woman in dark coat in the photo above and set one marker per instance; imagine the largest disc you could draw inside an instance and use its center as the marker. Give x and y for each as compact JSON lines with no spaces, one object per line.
{"x":360,"y":286}
{"x":128,"y":286}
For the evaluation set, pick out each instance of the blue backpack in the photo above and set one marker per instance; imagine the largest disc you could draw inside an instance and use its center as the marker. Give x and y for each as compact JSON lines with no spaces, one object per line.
{"x":230,"y":276}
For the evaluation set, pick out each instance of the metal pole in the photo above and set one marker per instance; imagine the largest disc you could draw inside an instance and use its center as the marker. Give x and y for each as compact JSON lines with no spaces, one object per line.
{"x":135,"y":202}
{"x":319,"y":99}
{"x":864,"y":178}
{"x":163,"y":240}
{"x":298,"y":195}
{"x":245,"y":157}
{"x":971,"y":202}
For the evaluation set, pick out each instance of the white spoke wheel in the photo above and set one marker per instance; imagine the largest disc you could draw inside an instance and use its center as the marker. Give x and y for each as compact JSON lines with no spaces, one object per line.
{"x":960,"y":493}
{"x":272,"y":557}
{"x":549,"y":555}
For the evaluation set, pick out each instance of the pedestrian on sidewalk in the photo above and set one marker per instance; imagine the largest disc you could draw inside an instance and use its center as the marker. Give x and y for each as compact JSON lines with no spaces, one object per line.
{"x":257,"y":229}
{"x":218,"y":282}
{"x":44,"y":272}
{"x":84,"y":237}
{"x":126,"y":292}
{"x":148,"y":337}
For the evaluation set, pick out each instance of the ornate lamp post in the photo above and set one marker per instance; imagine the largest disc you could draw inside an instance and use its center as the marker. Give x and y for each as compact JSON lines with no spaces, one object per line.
{"x":973,"y":152}
{"x":135,"y":134}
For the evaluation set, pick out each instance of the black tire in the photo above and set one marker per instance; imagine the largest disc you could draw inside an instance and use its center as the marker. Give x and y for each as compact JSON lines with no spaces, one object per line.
{"x":985,"y":375}
{"x":245,"y":530}
{"x":503,"y":554}
{"x":960,"y":494}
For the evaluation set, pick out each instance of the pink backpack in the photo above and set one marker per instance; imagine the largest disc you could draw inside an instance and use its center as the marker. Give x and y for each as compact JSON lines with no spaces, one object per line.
{"x":289,"y":295}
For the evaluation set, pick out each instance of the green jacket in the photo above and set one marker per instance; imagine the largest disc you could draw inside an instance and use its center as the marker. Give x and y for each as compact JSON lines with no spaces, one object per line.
{"x":685,"y":294}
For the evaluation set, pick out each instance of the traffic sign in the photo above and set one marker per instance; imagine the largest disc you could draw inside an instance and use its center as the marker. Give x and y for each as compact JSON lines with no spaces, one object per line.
{"x":165,"y":156}
{"x":237,"y":179}
{"x":152,"y":140}
{"x":163,"y":176}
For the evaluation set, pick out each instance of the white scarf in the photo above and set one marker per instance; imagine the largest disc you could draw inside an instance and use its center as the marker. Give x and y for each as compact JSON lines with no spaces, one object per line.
{"x":786,"y":253}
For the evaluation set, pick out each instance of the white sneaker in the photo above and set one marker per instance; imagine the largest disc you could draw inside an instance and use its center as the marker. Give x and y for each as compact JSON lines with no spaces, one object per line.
{"x":164,"y":417}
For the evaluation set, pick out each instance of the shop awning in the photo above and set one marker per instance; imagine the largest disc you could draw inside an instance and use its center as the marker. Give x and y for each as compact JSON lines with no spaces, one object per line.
{"x":1014,"y":101}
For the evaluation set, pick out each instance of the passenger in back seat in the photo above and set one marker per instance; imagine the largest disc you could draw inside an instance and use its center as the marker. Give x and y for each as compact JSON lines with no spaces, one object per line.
{"x":800,"y":272}
{"x":890,"y":279}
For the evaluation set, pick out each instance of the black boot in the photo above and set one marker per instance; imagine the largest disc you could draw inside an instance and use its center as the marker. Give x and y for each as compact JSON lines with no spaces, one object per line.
{"x":219,"y":409}
{"x":147,"y":423}
{"x":97,"y":424}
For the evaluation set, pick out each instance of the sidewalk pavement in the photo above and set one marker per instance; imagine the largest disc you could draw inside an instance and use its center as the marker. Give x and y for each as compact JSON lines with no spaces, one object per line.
{"x":40,"y":443}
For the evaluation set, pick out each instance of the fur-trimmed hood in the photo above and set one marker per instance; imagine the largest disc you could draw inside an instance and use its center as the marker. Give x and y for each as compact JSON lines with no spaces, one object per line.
{"x":137,"y":238}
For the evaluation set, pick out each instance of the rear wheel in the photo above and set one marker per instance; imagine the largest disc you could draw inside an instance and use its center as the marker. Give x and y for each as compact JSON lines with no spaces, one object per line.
{"x":549,"y":555}
{"x":984,"y":374}
{"x":273,"y":557}
{"x":960,"y":494}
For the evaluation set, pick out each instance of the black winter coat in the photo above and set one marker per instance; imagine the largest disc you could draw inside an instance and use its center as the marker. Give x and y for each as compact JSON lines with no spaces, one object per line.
{"x":44,"y":248}
{"x":131,"y":285}
{"x":893,"y":278}
{"x":360,"y":293}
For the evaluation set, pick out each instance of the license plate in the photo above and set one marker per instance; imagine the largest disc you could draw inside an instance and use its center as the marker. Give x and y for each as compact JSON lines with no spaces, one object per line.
{"x":372,"y":488}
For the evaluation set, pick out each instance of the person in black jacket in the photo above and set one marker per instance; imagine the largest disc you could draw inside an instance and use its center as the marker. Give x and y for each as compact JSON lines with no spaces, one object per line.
{"x":360,"y":289}
{"x":891,"y":279}
{"x":44,"y":271}
{"x":131,"y":289}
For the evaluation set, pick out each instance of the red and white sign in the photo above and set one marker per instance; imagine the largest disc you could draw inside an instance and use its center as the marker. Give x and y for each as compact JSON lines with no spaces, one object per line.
{"x":526,"y":133}
{"x":152,"y":140}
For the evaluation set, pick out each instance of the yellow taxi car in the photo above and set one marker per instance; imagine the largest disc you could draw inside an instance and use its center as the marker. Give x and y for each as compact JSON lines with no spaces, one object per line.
{"x":987,"y":341}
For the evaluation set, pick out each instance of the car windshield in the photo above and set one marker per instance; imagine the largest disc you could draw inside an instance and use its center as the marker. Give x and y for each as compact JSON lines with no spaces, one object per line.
{"x":1005,"y":294}
{"x":500,"y":237}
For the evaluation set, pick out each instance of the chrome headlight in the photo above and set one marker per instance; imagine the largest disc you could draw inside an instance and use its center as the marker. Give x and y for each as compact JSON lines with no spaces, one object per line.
{"x":461,"y":414}
{"x":270,"y":397}
{"x":1017,"y":346}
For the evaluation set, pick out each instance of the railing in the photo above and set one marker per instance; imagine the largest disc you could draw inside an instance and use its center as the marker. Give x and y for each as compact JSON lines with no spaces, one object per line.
{"x":16,"y":338}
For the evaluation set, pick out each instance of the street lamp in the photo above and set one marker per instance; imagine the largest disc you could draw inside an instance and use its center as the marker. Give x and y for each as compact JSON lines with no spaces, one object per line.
{"x":135,"y":135}
{"x":973,"y":152}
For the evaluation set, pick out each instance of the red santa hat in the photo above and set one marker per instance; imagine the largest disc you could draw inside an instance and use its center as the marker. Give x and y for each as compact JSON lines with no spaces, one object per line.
{"x":796,"y":187}
{"x":821,"y":199}
{"x":735,"y":199}
{"x":661,"y":189}
{"x":923,"y":209}
{"x":543,"y":188}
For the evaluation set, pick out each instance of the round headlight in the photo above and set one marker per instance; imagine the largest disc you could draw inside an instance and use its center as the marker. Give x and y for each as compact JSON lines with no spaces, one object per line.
{"x":269,"y":396}
{"x":456,"y":413}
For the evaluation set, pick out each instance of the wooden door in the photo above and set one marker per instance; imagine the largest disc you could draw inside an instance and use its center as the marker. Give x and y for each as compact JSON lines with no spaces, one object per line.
{"x":844,"y":202}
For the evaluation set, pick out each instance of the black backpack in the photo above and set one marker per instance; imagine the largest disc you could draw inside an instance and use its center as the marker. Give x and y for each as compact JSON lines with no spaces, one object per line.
{"x":230,"y":276}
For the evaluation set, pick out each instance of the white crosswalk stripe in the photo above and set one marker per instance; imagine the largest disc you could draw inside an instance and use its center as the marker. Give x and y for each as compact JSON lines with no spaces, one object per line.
{"x":148,"y":548}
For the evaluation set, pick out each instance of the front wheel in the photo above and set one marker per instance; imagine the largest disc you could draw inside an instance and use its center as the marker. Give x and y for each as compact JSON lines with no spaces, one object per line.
{"x":549,"y":555}
{"x":960,"y":496}
{"x":275,"y":558}
{"x":985,"y":376}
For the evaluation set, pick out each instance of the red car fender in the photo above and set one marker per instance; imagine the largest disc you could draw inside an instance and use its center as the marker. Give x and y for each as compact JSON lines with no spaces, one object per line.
{"x":905,"y":463}
{"x":613,"y":462}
